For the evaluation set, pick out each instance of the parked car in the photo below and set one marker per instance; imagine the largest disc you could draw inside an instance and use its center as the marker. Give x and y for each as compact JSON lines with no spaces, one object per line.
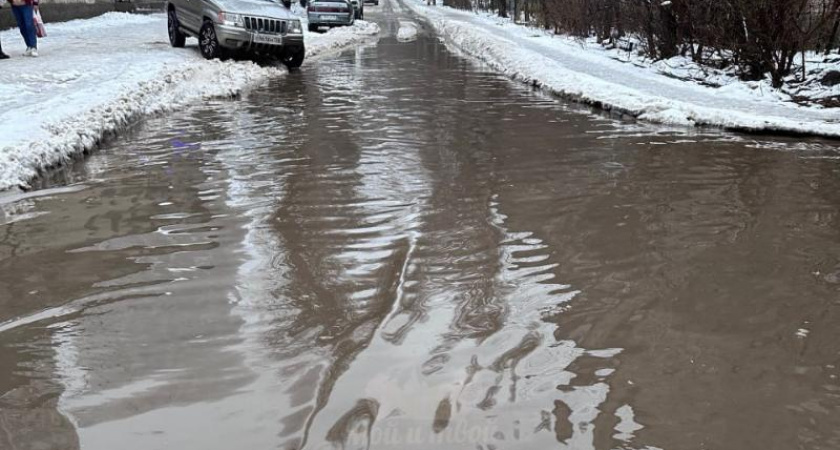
{"x":329,"y":13}
{"x":224,"y":27}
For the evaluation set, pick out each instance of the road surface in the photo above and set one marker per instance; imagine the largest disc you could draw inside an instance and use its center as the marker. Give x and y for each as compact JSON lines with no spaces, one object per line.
{"x":396,"y":248}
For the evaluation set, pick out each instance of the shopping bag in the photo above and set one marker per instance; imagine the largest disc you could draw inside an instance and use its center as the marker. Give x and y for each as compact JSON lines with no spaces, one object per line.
{"x":40,"y":29}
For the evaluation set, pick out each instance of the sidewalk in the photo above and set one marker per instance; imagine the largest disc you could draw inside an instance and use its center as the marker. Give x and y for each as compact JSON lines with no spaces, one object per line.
{"x":567,"y":68}
{"x":98,"y":75}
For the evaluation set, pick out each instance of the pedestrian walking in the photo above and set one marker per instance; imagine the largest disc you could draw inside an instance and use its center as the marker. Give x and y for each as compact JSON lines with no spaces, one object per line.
{"x":24,"y":12}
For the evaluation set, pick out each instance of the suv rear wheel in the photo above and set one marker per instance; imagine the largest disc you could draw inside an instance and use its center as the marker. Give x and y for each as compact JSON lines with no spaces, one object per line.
{"x":176,"y":37}
{"x":208,"y":43}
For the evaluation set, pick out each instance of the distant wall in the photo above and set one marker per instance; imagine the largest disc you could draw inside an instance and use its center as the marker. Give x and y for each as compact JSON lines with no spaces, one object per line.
{"x":61,"y":10}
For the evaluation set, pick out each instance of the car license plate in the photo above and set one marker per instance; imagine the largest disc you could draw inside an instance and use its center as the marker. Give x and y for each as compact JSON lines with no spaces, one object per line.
{"x":329,"y":17}
{"x":268,"y":39}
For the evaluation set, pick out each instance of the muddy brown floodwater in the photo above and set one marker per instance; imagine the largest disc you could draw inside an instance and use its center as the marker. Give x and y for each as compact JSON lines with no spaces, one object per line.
{"x":397,"y":249}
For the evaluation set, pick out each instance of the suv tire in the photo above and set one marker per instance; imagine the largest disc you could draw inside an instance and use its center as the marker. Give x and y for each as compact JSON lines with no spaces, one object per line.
{"x":208,"y":43}
{"x":292,"y":57}
{"x":176,"y":37}
{"x":313,"y":28}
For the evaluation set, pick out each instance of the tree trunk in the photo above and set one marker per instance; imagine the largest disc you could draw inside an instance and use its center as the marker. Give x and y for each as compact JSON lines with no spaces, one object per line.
{"x":776,"y":76}
{"x":804,"y":73}
{"x":544,"y":12}
{"x":832,"y":36}
{"x":668,"y":38}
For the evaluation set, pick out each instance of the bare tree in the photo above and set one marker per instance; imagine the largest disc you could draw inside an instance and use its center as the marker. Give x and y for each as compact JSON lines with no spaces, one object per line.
{"x":759,"y":37}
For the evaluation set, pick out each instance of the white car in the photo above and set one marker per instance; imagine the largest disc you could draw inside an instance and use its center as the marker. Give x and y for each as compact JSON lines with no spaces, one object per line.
{"x":329,"y":13}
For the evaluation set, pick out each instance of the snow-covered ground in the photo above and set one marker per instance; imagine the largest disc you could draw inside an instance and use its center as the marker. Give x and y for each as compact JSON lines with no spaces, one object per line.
{"x":98,"y":75}
{"x":810,"y":91}
{"x":598,"y":77}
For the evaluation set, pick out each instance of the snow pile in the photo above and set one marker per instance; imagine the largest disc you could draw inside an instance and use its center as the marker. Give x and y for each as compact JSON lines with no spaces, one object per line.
{"x":97,"y":76}
{"x":407,"y":31}
{"x":813,"y":91}
{"x":173,"y":86}
{"x":569,"y":69}
{"x":339,"y":38}
{"x":822,"y":83}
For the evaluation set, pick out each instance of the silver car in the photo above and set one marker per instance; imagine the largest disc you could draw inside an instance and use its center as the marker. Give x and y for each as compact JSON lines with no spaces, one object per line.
{"x":329,"y":13}
{"x":223,"y":27}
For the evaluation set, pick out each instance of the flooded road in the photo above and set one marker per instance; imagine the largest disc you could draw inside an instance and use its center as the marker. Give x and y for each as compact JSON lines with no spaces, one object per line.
{"x":398,"y":249}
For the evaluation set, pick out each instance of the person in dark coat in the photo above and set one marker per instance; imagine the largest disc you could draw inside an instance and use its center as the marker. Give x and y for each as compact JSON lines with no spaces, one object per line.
{"x":24,"y":10}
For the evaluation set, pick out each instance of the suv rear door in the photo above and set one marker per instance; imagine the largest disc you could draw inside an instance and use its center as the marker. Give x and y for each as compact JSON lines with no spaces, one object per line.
{"x":189,"y":13}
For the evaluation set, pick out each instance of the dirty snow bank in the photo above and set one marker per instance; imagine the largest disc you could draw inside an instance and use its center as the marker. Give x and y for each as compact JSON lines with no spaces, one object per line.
{"x":99,"y":75}
{"x":567,"y":68}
